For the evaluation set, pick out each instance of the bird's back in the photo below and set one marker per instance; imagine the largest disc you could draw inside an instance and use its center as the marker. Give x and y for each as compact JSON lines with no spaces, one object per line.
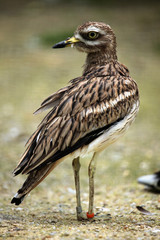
{"x":80,"y":113}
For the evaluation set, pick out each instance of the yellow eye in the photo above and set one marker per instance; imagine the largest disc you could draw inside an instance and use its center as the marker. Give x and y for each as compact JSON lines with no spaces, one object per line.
{"x":93,"y":35}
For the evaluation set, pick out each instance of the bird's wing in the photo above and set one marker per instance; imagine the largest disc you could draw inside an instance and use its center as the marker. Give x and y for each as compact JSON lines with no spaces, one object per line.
{"x":54,"y":99}
{"x":85,"y":109}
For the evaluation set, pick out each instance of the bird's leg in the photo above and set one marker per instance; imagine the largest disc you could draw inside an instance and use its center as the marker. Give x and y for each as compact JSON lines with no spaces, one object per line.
{"x":76,"y":167}
{"x":91,"y":172}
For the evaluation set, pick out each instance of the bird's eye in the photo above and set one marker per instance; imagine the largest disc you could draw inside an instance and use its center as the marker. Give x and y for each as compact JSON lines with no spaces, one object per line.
{"x":93,"y":35}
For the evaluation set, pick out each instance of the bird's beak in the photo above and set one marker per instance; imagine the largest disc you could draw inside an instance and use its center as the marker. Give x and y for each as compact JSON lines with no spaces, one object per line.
{"x":67,"y":42}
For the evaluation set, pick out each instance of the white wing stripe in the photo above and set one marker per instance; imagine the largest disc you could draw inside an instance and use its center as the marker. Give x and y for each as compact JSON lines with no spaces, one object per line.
{"x":111,"y":103}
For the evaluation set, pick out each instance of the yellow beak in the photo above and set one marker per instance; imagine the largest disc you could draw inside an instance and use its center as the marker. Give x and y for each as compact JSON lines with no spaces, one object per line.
{"x":66,"y":42}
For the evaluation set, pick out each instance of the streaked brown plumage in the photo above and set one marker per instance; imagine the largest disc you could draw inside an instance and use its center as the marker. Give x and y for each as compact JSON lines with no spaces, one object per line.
{"x":87,"y":115}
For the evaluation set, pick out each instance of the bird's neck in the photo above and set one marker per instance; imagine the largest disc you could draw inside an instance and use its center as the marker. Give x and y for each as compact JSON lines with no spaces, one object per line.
{"x":99,"y":58}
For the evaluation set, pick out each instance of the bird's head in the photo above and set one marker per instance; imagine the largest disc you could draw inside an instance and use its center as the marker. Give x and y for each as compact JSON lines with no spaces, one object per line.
{"x":91,"y":37}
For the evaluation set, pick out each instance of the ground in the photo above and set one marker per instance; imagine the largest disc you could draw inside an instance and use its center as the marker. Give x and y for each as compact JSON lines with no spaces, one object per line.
{"x":30,"y":71}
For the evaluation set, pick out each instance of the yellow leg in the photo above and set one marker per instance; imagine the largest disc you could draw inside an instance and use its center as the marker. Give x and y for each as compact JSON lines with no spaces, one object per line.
{"x":91,"y":172}
{"x":76,"y":167}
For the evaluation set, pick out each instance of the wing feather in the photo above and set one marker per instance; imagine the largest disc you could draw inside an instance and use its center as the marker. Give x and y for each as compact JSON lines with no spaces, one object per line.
{"x":77,"y":110}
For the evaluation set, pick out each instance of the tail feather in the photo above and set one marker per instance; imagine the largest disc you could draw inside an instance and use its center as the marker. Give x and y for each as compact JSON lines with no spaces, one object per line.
{"x":17,"y":199}
{"x":33,"y":179}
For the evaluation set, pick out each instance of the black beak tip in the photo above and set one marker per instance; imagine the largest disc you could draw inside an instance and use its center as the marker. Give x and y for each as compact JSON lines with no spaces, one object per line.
{"x":55,"y":46}
{"x":61,"y":44}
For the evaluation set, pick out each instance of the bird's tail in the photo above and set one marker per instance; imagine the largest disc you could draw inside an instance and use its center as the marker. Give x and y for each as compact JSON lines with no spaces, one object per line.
{"x":33,"y":179}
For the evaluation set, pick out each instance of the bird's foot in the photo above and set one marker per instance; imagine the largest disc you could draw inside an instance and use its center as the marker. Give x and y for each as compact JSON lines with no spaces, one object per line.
{"x":82,"y":216}
{"x":90,"y":215}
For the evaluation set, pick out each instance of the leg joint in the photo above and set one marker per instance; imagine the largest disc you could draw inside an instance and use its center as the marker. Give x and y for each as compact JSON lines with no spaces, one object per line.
{"x":76,"y":164}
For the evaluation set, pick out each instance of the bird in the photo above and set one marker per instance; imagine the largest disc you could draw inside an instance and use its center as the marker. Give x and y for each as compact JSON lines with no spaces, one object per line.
{"x":86,"y":116}
{"x":152,"y":181}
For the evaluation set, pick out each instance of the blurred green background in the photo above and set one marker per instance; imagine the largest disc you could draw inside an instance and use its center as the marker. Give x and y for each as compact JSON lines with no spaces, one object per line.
{"x":30,"y":70}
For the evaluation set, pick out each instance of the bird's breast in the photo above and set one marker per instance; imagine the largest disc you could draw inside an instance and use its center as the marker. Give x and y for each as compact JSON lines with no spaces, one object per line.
{"x":112,"y":134}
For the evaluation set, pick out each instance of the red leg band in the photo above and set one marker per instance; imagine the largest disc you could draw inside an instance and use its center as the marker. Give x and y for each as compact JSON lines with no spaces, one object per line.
{"x":90,"y":215}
